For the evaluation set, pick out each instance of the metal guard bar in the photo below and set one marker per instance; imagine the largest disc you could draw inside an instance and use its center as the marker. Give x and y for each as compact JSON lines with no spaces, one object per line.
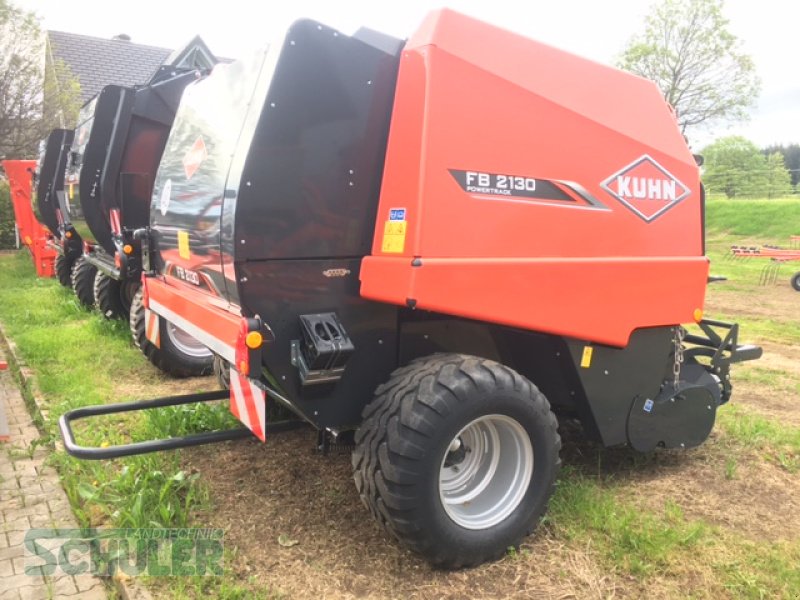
{"x":728,"y":344}
{"x":196,"y":439}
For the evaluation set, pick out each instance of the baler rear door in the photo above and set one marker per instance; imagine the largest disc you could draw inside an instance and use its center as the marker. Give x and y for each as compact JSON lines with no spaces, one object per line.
{"x":88,"y":160}
{"x":49,"y":176}
{"x":192,"y":180}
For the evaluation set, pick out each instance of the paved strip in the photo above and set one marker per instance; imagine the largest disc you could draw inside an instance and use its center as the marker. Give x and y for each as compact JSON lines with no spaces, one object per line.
{"x":31,"y":497}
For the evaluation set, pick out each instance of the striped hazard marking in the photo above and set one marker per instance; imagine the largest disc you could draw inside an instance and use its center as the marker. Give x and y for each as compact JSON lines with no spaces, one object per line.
{"x":151,"y":329}
{"x":248,"y":403}
{"x":113,"y":216}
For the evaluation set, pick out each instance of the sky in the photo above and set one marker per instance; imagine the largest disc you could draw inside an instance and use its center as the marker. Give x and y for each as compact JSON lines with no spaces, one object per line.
{"x":592,"y":28}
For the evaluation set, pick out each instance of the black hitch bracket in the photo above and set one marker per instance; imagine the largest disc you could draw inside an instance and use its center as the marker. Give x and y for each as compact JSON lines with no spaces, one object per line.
{"x":722,"y":349}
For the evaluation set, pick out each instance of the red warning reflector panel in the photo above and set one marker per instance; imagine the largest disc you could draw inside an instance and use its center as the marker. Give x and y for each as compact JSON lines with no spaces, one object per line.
{"x":248,"y":403}
{"x":151,"y":329}
{"x":194,"y":157}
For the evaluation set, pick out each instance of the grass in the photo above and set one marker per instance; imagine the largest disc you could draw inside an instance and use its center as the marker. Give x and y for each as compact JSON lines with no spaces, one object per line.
{"x":777,"y":442}
{"x":637,"y":542}
{"x":79,"y":359}
{"x":771,"y":219}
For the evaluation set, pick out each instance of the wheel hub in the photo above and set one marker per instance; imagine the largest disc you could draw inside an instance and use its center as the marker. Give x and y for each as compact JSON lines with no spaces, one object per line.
{"x":185,"y":343}
{"x":486,"y":471}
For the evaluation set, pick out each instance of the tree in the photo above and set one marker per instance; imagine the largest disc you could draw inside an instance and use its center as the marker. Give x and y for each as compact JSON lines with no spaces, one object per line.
{"x":791,"y":158}
{"x":778,"y":179}
{"x":32,"y":101}
{"x":687,"y":50}
{"x":736,"y":167}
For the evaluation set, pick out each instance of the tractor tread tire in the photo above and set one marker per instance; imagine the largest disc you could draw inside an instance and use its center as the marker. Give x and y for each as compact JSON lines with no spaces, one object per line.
{"x":83,"y":274}
{"x":796,"y":281}
{"x":388,"y":467}
{"x":107,"y":292}
{"x":64,"y":270}
{"x":170,"y":363}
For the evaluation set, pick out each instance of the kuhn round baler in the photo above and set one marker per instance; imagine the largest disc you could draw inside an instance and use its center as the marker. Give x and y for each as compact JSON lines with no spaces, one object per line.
{"x":118,"y":165}
{"x":52,"y":204}
{"x":438,"y":245}
{"x":95,"y":189}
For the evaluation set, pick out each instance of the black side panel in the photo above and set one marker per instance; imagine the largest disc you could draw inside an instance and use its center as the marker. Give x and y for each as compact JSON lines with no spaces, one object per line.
{"x":612,"y":378}
{"x":288,"y":289}
{"x":49,"y":177}
{"x":312,"y":177}
{"x":544,"y":359}
{"x":88,"y":157}
{"x":597,"y":384}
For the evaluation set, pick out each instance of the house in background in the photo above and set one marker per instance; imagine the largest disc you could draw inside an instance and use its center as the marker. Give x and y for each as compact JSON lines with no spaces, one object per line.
{"x":98,"y":62}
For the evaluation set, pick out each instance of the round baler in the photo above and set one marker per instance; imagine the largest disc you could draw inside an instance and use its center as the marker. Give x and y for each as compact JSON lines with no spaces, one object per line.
{"x":118,"y":166}
{"x":51,"y":202}
{"x":430,"y":248}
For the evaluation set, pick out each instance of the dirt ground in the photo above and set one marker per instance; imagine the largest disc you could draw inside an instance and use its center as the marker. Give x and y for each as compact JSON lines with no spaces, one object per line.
{"x":299,"y":529}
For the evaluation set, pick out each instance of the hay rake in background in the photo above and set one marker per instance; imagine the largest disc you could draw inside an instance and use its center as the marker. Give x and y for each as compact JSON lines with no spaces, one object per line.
{"x":778,"y":257}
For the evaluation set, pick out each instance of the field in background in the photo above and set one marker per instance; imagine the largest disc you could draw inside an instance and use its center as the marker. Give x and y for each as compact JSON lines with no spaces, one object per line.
{"x":719,"y":521}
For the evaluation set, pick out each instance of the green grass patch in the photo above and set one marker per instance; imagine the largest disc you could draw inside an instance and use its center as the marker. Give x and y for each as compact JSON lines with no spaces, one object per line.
{"x":771,"y":219}
{"x":758,"y":571}
{"x":773,"y":380}
{"x":777,"y":442}
{"x":634,"y":540}
{"x":80,"y":358}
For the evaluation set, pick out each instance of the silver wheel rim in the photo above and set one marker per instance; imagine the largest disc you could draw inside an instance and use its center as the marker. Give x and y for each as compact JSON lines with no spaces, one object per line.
{"x":486,"y":471}
{"x":185,"y":343}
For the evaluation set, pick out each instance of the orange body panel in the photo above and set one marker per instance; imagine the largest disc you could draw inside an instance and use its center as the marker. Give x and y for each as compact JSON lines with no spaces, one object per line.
{"x":31,"y":232}
{"x":538,"y":188}
{"x":212,"y":321}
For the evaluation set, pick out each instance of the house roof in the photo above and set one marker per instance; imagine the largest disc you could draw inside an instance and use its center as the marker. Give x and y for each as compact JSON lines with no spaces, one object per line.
{"x":98,"y":62}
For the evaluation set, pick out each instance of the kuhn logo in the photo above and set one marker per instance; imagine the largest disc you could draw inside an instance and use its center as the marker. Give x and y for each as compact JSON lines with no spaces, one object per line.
{"x":646,"y":188}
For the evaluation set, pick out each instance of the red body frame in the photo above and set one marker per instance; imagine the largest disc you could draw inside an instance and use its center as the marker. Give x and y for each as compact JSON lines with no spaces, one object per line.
{"x":31,"y":232}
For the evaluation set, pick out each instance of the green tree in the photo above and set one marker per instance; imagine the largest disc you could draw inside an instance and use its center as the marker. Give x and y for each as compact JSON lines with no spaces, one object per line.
{"x":687,"y":50}
{"x":736,"y":167}
{"x":778,"y":180}
{"x":791,"y":158}
{"x":32,"y":101}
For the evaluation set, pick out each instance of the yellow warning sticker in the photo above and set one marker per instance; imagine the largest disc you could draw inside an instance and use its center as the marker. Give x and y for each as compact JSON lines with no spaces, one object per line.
{"x":586,"y":359}
{"x":394,"y":237}
{"x":183,"y":245}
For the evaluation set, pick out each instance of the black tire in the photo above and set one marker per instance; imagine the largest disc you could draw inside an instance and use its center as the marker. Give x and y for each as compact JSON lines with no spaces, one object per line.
{"x":413,"y":429}
{"x":107,"y":296}
{"x":128,"y":290}
{"x":796,"y":281}
{"x":64,"y":270}
{"x":222,"y":371}
{"x":83,"y":274}
{"x":168,"y":358}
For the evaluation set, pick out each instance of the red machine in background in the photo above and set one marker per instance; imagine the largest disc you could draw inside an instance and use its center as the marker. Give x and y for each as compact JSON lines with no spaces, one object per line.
{"x":32,"y":233}
{"x":778,"y":257}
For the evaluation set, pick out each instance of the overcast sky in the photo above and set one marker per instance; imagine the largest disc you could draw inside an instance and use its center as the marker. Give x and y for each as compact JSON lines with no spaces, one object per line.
{"x":592,"y":28}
